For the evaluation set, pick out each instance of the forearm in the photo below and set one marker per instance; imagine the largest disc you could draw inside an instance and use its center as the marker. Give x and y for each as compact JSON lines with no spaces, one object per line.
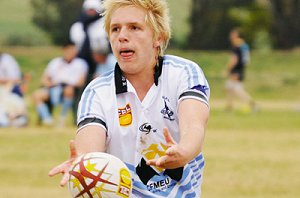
{"x":193,"y":120}
{"x":192,"y":139}
{"x":90,"y":139}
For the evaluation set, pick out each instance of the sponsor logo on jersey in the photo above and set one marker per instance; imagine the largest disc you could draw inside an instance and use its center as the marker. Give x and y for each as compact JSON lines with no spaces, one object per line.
{"x":167,"y":112}
{"x":146,"y":173}
{"x":125,"y":115}
{"x":125,"y":183}
{"x":147,"y":128}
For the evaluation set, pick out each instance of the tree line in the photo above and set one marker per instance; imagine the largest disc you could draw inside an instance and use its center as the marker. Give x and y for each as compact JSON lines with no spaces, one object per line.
{"x":266,"y":23}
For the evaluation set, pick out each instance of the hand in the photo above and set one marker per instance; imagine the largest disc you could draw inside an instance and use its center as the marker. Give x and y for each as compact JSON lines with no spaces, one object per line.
{"x":175,"y":156}
{"x":65,"y":166}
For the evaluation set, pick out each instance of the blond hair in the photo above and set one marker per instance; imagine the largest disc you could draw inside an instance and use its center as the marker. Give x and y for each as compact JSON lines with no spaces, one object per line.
{"x":157,"y":16}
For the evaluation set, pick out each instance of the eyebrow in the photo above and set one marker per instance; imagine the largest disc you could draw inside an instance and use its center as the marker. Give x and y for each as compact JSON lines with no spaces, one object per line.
{"x":130,"y":23}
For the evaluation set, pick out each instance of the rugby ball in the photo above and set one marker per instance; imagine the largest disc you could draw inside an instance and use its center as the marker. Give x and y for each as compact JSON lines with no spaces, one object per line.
{"x":98,"y":175}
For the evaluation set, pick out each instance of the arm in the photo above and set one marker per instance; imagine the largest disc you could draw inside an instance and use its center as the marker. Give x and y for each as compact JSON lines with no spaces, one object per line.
{"x":88,"y":139}
{"x":193,"y":117}
{"x":81,"y":81}
{"x":232,"y":61}
{"x":46,"y":81}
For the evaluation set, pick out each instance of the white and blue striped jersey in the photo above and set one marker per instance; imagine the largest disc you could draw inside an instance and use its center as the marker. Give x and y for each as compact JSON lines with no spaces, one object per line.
{"x":135,"y":129}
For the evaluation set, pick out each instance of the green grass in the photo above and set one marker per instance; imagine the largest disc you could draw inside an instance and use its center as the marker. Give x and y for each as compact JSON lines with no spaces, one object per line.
{"x":16,"y":24}
{"x":247,"y":154}
{"x":253,"y":158}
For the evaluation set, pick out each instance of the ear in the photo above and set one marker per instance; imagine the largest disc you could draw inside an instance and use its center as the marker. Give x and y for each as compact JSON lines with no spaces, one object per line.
{"x":157,"y":42}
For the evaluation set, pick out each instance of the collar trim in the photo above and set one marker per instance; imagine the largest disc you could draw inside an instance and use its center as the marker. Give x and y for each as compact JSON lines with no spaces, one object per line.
{"x":120,"y":80}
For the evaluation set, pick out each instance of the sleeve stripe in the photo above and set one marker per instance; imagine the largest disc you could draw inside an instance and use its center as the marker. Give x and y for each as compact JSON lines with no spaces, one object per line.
{"x":91,"y":120}
{"x":194,"y":94}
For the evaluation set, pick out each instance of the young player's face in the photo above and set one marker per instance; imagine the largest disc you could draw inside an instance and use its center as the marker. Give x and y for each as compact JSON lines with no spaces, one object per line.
{"x":132,"y":40}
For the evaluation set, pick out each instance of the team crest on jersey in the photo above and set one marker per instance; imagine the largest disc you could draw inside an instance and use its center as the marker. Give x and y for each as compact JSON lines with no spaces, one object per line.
{"x":125,"y":115}
{"x":167,"y":112}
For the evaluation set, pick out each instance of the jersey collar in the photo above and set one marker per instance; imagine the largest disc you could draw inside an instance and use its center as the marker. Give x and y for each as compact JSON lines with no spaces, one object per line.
{"x":120,"y":80}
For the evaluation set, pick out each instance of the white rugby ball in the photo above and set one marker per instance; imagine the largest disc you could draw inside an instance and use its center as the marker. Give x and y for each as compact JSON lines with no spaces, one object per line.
{"x":99,"y":174}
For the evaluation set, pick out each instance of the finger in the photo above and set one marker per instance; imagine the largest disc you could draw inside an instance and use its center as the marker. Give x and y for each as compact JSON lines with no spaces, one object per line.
{"x":73,"y":152}
{"x":171,"y":151}
{"x":162,"y":161}
{"x":151,"y":162}
{"x":56,"y":170}
{"x":64,"y":179}
{"x":169,"y":140}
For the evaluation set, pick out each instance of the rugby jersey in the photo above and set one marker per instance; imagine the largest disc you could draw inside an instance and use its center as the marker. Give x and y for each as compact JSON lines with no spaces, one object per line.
{"x":135,"y":128}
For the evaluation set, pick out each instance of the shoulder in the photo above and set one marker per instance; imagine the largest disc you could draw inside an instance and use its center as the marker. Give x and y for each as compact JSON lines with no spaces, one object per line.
{"x":80,"y":61}
{"x":101,"y":82}
{"x":7,"y":57}
{"x":178,"y":62}
{"x":172,"y":62}
{"x":55,"y":62}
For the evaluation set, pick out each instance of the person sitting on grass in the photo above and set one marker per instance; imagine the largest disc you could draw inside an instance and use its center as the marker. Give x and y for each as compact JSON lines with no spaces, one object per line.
{"x":60,"y":79}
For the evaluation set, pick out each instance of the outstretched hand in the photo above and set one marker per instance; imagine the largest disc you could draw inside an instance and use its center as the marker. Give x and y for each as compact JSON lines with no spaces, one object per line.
{"x":65,"y":166}
{"x":175,"y":156}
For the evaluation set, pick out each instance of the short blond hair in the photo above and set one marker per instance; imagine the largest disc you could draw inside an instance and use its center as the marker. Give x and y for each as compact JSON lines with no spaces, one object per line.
{"x":157,"y":17}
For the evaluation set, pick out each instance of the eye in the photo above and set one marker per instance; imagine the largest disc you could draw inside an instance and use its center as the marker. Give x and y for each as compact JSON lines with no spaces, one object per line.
{"x":114,"y":29}
{"x":134,"y":27}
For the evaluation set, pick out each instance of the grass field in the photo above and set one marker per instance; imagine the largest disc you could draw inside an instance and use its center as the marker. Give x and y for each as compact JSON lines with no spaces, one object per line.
{"x":247,"y":154}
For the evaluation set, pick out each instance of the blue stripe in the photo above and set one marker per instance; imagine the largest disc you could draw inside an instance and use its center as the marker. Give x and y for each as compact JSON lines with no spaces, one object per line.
{"x":190,"y":175}
{"x":193,"y":71}
{"x":84,"y":102}
{"x":89,"y":93}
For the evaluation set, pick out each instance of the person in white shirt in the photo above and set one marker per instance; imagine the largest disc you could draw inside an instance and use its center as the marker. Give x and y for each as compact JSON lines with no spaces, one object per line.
{"x":59,"y":81}
{"x":10,"y":73}
{"x":151,"y":111}
{"x":13,"y":109}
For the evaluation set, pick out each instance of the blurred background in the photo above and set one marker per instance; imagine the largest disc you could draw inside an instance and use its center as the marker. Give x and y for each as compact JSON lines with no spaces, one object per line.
{"x":248,"y":154}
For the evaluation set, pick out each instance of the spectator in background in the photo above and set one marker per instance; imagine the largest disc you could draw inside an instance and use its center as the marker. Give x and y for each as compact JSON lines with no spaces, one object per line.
{"x":89,"y":31}
{"x":13,"y":110}
{"x":105,"y":60}
{"x":239,"y":59}
{"x":10,"y":74}
{"x":61,"y":78}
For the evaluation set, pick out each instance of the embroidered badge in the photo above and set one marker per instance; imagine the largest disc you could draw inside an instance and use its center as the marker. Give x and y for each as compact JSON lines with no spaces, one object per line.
{"x":125,"y":115}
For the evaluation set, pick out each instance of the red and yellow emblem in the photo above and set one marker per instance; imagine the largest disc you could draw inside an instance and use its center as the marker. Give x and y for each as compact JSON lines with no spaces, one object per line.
{"x":125,"y":115}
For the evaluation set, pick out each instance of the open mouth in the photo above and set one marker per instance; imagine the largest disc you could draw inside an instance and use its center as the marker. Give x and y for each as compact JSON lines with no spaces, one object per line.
{"x":126,"y":53}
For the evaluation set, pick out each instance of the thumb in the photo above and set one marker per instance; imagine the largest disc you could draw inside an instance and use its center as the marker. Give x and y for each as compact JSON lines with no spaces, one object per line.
{"x":169,"y":139}
{"x":73,"y":152}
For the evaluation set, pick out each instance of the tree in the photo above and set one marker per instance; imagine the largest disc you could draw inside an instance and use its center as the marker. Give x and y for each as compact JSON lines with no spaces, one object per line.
{"x":285,"y":23}
{"x":55,"y":17}
{"x":212,"y":20}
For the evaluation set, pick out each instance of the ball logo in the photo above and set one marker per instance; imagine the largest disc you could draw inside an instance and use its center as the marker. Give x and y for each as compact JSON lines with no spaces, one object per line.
{"x":125,"y":115}
{"x":99,"y":175}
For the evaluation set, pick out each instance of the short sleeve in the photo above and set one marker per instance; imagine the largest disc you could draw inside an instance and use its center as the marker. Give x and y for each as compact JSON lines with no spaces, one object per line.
{"x":193,"y":84}
{"x":90,"y":111}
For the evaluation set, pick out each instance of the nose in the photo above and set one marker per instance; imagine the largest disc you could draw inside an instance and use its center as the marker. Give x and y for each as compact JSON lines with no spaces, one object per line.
{"x":123,"y":35}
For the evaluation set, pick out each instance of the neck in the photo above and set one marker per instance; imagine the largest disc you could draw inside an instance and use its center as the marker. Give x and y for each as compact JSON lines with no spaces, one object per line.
{"x":141,"y":83}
